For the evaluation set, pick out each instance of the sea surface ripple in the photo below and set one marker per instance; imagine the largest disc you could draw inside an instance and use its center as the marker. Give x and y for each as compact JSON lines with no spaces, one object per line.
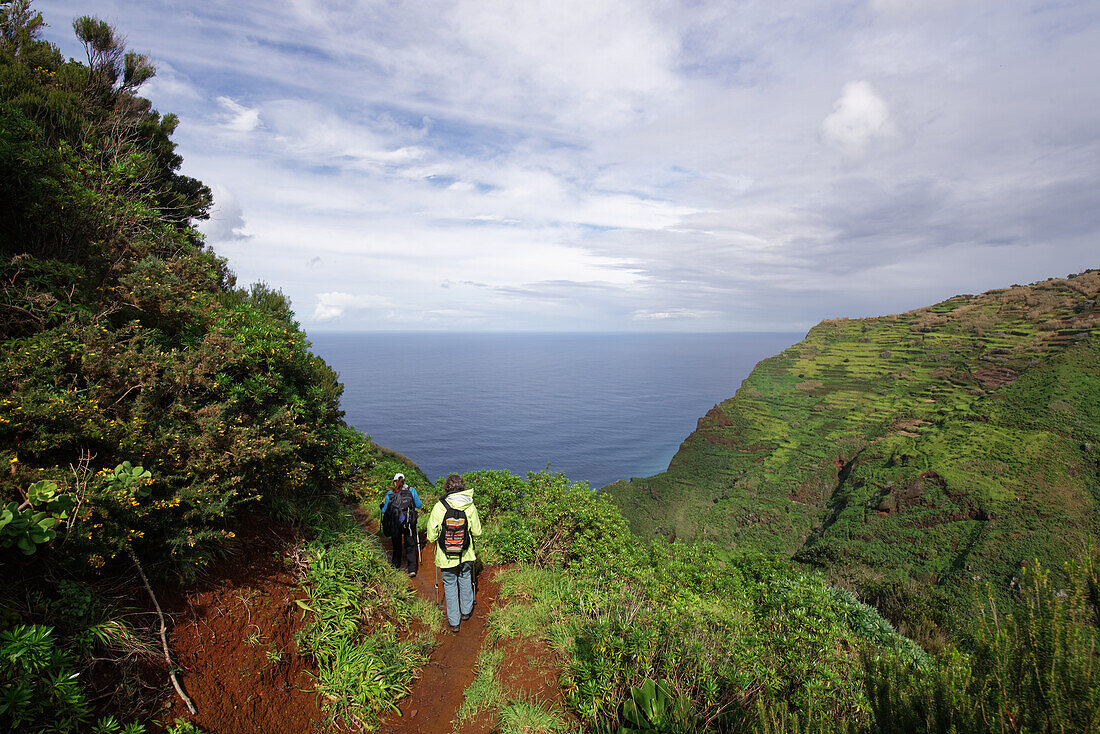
{"x":598,"y":407}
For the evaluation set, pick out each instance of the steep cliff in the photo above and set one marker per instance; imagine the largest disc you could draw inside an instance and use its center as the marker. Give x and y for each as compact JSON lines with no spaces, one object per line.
{"x":936,"y":448}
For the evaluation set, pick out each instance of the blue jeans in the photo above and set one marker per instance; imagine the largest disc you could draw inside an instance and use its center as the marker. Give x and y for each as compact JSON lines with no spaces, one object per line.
{"x":458,"y":590}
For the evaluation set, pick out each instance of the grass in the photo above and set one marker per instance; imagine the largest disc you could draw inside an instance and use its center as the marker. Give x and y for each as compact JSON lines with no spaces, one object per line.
{"x":528,"y":599}
{"x":485,"y":692}
{"x":522,"y":716}
{"x":367,"y":631}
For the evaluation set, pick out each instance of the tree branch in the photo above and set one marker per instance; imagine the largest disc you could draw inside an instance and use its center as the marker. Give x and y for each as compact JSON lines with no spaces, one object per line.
{"x":163,"y":635}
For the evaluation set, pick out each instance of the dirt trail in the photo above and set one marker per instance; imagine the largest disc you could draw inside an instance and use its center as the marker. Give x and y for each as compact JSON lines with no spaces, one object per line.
{"x":431,"y":706}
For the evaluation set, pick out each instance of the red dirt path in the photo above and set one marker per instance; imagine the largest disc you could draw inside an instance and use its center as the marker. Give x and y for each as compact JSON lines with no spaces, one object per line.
{"x":233,"y":638}
{"x":431,"y":706}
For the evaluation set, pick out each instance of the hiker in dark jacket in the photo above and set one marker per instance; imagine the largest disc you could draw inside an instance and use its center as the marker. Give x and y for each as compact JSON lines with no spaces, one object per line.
{"x":454,"y":552}
{"x":401,"y":504}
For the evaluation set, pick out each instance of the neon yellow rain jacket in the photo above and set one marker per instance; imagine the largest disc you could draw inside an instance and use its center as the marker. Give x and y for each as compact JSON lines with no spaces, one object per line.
{"x":460,"y":501}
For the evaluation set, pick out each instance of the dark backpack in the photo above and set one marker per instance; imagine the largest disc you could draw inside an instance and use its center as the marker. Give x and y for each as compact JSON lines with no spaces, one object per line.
{"x":454,"y":536}
{"x":400,"y":514}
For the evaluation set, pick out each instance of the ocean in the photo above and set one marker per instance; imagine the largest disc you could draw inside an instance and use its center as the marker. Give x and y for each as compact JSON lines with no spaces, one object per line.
{"x":598,"y":407}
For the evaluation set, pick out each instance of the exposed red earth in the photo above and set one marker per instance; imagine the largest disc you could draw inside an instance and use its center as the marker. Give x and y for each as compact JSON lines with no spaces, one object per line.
{"x":234,"y":642}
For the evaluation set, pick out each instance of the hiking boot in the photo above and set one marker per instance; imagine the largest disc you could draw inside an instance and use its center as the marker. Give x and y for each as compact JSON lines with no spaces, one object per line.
{"x":454,"y":628}
{"x":412,"y":575}
{"x":467,"y":616}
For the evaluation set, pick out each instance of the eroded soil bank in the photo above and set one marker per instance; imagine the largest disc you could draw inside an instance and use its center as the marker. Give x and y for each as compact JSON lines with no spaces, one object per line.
{"x":233,"y":638}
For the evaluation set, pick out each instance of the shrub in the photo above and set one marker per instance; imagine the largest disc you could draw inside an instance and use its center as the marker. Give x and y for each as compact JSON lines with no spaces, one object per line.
{"x":1033,"y":667}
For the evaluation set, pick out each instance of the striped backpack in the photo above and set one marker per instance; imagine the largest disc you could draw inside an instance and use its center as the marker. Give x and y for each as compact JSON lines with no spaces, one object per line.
{"x":454,"y":537}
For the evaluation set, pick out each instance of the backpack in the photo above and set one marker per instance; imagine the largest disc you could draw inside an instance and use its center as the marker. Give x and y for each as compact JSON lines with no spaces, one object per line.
{"x":401,"y":513}
{"x":454,"y":535}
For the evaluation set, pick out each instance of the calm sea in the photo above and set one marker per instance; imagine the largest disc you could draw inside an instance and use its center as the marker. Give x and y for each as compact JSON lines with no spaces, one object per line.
{"x":598,"y":407}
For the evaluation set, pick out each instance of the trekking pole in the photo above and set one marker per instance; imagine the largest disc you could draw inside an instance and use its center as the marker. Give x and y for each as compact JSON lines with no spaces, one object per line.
{"x":437,"y":585}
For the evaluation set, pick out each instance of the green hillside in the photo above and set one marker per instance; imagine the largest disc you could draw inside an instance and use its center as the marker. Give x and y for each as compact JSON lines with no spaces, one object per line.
{"x":930,"y":449}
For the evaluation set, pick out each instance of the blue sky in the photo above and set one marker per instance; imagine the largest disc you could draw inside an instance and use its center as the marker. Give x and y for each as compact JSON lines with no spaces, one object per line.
{"x":620,"y":165}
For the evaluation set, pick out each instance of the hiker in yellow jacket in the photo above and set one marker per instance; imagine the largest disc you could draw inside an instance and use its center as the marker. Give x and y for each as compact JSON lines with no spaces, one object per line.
{"x":452,"y":527}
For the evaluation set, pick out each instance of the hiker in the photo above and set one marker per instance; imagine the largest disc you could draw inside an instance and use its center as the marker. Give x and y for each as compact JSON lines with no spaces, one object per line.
{"x":452,"y":526}
{"x":399,"y":522}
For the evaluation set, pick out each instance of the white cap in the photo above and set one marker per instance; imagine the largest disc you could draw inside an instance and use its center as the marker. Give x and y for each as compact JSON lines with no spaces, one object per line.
{"x":397,"y":476}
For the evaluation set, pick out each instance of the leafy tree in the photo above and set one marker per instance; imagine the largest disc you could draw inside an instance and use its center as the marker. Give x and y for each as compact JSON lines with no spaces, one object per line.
{"x":125,"y":338}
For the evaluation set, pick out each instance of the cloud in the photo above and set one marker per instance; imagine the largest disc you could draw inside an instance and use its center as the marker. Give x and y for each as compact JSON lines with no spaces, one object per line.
{"x":170,"y":85}
{"x":226,"y":220}
{"x":597,"y":62}
{"x":626,"y":164}
{"x":672,"y":315}
{"x":859,"y":117}
{"x":242,"y":119}
{"x":309,"y":133}
{"x":332,"y":306}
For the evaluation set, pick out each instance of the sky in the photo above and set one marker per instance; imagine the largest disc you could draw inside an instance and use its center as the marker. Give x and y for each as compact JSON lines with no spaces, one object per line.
{"x":624,"y":165}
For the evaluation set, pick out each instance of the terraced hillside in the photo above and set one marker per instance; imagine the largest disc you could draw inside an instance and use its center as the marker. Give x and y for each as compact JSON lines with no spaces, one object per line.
{"x":934,"y":448}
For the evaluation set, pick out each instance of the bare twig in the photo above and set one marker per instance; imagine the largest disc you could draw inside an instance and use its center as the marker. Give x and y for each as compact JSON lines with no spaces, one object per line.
{"x":81,"y":470}
{"x":163,"y":635}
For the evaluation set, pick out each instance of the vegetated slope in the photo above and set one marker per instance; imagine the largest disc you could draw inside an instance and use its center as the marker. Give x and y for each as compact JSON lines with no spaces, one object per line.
{"x":943,"y":446}
{"x":147,"y":403}
{"x":738,"y":644}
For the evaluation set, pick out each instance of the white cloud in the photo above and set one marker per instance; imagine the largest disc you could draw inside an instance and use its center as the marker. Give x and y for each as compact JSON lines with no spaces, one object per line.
{"x":672,"y":315}
{"x":331,"y":306}
{"x":620,"y":164}
{"x":226,"y":220}
{"x":311,"y":134}
{"x":170,"y":86}
{"x":242,"y":119}
{"x":909,"y":8}
{"x":588,"y":62}
{"x":859,"y":117}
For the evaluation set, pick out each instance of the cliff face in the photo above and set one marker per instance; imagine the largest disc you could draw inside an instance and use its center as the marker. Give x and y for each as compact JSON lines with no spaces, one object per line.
{"x":942,"y":446}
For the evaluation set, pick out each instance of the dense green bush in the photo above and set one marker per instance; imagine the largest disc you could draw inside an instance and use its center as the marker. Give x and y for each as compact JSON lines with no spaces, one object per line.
{"x":757,"y":644}
{"x":743,"y":642}
{"x":147,"y":403}
{"x":547,"y":520}
{"x":125,"y":339}
{"x":40,"y":689}
{"x":1033,"y":667}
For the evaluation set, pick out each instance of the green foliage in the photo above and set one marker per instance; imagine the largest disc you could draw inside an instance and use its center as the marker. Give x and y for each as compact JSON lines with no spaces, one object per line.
{"x":1033,"y":667}
{"x":549,"y":520}
{"x":182,"y":726}
{"x":722,"y":635}
{"x":41,"y":692}
{"x":651,"y":708}
{"x":125,"y":339}
{"x":914,"y":457}
{"x":361,"y":672}
{"x":34,"y":521}
{"x":146,"y":400}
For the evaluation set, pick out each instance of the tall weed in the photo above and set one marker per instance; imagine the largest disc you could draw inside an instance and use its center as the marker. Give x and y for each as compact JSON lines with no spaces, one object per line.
{"x":362,"y":622}
{"x":1033,"y":668}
